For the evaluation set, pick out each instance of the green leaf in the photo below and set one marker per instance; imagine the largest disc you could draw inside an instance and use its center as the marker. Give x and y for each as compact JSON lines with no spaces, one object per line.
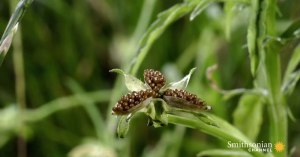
{"x":6,"y":42}
{"x":182,"y":84}
{"x":229,"y":10}
{"x":223,"y":152}
{"x":290,"y":83}
{"x":131,"y":82}
{"x":292,"y":65}
{"x":292,"y":31}
{"x":291,"y":115}
{"x":199,"y":8}
{"x":12,"y":26}
{"x":294,"y":61}
{"x":157,"y":114}
{"x":248,"y":115}
{"x":273,"y":70}
{"x":252,"y":36}
{"x":123,"y":126}
{"x":223,"y":130}
{"x":163,"y":20}
{"x":234,"y":92}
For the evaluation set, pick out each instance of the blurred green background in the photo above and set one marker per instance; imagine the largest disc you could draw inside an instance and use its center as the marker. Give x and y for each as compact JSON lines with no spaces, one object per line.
{"x":69,"y":47}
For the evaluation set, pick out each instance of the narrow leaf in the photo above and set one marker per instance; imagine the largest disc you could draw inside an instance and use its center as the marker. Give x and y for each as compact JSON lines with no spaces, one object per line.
{"x":6,"y":42}
{"x":5,"y":45}
{"x":199,"y":8}
{"x":223,"y":152}
{"x":292,"y":30}
{"x":292,"y":65}
{"x":12,"y":27}
{"x":273,"y":69}
{"x":290,"y":83}
{"x":252,"y":36}
{"x":229,"y":11}
{"x":131,"y":82}
{"x":163,"y":20}
{"x":182,"y":84}
{"x":123,"y":126}
{"x":291,"y":115}
{"x":248,"y":115}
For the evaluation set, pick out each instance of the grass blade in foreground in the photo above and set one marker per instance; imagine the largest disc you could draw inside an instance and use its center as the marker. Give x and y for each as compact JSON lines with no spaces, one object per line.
{"x":223,"y":152}
{"x":12,"y":27}
{"x":223,"y":130}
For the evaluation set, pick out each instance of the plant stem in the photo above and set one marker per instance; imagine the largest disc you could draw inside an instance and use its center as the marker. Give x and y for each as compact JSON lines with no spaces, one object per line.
{"x":90,"y":108}
{"x":209,"y":129}
{"x":65,"y":103}
{"x":270,"y":61}
{"x":18,"y":62}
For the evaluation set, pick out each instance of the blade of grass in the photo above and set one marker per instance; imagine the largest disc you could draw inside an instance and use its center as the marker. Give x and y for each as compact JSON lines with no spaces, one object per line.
{"x":293,"y":63}
{"x":223,"y":131}
{"x":249,"y":114}
{"x":223,"y":152}
{"x":17,"y":15}
{"x":229,"y":11}
{"x":163,"y":20}
{"x":20,"y":82}
{"x":65,"y":103}
{"x":90,"y":108}
{"x":270,"y":60}
{"x":252,"y":36}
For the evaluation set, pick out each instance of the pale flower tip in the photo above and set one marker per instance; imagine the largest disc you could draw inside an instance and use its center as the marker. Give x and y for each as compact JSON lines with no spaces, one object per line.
{"x":208,"y":108}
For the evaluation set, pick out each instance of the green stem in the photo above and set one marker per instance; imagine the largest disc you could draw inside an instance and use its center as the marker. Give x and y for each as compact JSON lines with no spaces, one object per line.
{"x":209,"y":129}
{"x":270,"y":61}
{"x":19,"y":71}
{"x":144,"y":19}
{"x":18,"y":62}
{"x":90,"y":108}
{"x":65,"y":103}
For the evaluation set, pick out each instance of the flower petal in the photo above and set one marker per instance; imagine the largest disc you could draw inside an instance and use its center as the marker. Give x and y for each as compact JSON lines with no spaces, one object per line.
{"x":131,"y":82}
{"x":182,"y":84}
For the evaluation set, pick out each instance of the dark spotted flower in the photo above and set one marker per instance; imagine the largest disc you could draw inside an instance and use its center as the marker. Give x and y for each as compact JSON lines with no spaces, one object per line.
{"x":154,"y":79}
{"x":184,"y":100}
{"x":145,"y":97}
{"x":155,"y":87}
{"x":133,"y":101}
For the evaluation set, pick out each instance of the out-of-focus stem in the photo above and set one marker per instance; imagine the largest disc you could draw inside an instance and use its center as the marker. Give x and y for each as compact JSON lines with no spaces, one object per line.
{"x":19,"y":82}
{"x":65,"y":103}
{"x":19,"y":85}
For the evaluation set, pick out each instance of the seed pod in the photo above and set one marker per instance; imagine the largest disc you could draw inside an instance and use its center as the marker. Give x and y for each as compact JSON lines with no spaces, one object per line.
{"x":133,"y":102}
{"x":155,"y":79}
{"x":184,"y":100}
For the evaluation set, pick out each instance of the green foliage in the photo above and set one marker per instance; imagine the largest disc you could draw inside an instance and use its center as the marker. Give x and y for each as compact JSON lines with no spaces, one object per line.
{"x":223,"y":152}
{"x":247,"y":56}
{"x":248,"y":115}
